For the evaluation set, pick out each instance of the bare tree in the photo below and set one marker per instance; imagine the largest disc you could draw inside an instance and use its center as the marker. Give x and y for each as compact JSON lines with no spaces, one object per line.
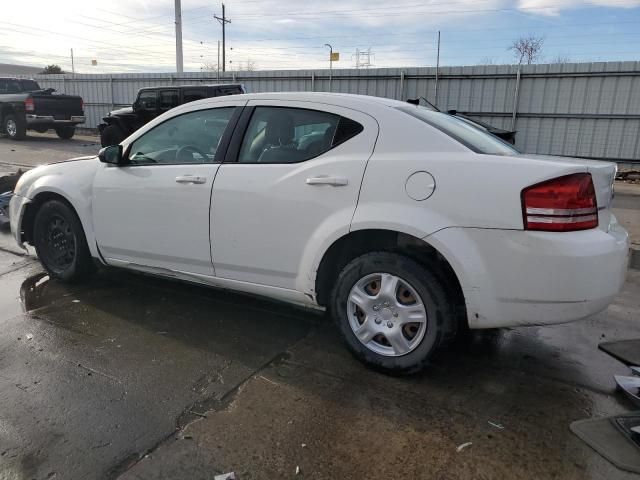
{"x":560,"y":59}
{"x":248,"y":66}
{"x":487,"y":61}
{"x":209,"y":67}
{"x":527,"y":49}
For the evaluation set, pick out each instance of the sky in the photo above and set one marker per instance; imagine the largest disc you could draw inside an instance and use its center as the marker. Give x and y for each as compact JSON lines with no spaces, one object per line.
{"x":139,"y":35}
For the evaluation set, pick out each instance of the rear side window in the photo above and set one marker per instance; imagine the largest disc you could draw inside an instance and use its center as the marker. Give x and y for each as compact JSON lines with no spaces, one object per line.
{"x":3,"y":86}
{"x":169,"y":99}
{"x":475,"y":139}
{"x":193,"y":94}
{"x":222,"y":91}
{"x":291,"y":135}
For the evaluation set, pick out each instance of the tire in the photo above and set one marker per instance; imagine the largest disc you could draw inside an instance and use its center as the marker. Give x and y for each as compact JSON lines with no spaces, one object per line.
{"x":428,"y":299}
{"x":60,"y":242}
{"x":14,"y":127}
{"x":66,"y":132}
{"x":111,"y":135}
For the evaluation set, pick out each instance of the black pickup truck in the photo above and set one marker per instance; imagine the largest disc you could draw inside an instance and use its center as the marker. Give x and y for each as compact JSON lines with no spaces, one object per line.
{"x":153,"y":101}
{"x":25,"y":106}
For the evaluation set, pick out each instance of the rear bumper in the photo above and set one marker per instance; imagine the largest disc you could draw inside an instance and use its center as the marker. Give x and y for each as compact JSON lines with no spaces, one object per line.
{"x":43,"y":120}
{"x":512,"y":278}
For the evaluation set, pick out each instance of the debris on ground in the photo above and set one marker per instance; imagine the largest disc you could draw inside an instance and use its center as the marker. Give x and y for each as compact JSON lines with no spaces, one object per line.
{"x":28,"y":336}
{"x":75,"y":301}
{"x":297,"y":470}
{"x":463,"y":446}
{"x":630,"y":386}
{"x":496,"y":425}
{"x":225,"y":476}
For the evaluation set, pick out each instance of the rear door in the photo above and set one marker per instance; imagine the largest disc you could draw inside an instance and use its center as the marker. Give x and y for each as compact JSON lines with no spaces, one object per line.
{"x":291,"y":181}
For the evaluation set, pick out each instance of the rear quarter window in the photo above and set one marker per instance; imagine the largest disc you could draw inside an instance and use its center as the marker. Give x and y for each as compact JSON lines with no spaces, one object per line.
{"x":475,"y":139}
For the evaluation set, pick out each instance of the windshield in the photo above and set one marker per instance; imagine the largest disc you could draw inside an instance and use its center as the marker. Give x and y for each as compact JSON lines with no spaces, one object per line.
{"x":470,"y":136}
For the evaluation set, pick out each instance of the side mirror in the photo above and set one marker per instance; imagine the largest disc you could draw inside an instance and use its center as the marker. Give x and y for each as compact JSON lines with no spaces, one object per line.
{"x":135,"y":106}
{"x":111,"y":154}
{"x":452,"y":112}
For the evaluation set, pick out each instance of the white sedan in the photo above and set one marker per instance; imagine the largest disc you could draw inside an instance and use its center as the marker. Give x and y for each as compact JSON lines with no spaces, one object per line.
{"x":406,"y":224}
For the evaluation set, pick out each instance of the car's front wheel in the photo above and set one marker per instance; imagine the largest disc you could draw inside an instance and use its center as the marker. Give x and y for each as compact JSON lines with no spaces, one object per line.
{"x":392,"y":311}
{"x":60,"y":242}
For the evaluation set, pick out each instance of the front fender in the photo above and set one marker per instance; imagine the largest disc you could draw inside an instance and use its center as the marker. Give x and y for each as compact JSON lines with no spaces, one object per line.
{"x":76,"y":188}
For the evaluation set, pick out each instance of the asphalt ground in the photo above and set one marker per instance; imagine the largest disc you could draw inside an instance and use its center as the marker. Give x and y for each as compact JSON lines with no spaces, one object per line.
{"x":129,"y":376}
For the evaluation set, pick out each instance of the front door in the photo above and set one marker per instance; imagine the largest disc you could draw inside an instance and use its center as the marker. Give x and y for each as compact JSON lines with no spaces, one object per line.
{"x":154,"y":210}
{"x":295,"y":175}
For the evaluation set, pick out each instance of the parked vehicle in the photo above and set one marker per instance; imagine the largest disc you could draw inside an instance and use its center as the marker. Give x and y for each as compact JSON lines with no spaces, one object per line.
{"x":25,"y":106}
{"x":151,"y":102}
{"x":404,"y":222}
{"x":506,"y":135}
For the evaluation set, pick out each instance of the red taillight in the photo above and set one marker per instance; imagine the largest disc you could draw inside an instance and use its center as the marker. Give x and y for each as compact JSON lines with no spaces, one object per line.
{"x":28,"y":105}
{"x":563,"y":204}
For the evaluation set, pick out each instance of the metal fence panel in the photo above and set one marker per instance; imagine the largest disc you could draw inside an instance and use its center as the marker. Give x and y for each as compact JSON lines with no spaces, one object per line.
{"x":583,"y":109}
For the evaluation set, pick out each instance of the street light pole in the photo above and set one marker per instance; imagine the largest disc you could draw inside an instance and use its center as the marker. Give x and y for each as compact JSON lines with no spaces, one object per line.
{"x":178,"y":14}
{"x":330,"y":63}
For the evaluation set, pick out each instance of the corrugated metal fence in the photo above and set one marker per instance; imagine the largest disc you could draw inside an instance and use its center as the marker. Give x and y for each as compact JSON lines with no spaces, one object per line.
{"x":576,"y":109}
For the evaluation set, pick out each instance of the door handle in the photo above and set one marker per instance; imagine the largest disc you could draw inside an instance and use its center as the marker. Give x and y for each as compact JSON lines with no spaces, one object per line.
{"x":326,"y":180}
{"x":190,"y":179}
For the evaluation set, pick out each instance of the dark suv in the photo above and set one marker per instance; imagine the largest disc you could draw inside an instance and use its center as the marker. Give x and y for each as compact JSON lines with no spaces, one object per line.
{"x":151,"y":102}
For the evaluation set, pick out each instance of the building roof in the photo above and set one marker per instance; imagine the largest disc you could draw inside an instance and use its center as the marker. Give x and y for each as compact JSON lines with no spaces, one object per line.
{"x":8,"y":70}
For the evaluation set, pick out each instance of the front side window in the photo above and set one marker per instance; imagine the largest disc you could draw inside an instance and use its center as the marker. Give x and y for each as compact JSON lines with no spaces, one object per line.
{"x":147,"y":100}
{"x":472,"y":137}
{"x":185,"y":139}
{"x":169,"y":99}
{"x":291,"y":135}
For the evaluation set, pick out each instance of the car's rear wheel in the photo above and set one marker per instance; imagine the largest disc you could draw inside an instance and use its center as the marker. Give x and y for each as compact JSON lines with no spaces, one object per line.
{"x":111,"y":135}
{"x":392,"y":311}
{"x":66,"y":132}
{"x":14,"y":127}
{"x":60,"y":242}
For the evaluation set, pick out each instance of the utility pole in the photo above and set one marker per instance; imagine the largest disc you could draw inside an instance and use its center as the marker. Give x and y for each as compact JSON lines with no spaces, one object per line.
{"x":223,"y":21}
{"x":73,"y":70}
{"x":437,"y":71}
{"x":330,"y":63}
{"x":179,"y":64}
{"x":218,"y":64}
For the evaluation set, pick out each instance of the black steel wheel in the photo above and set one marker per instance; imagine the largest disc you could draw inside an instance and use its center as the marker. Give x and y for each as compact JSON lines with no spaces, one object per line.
{"x":60,"y":242}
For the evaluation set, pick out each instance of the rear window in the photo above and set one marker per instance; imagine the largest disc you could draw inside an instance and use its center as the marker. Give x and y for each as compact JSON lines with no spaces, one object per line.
{"x":472,"y":137}
{"x":29,"y":85}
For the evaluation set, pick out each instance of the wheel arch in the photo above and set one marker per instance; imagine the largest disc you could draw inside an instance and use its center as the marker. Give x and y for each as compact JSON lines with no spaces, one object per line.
{"x":39,"y":199}
{"x":359,"y":242}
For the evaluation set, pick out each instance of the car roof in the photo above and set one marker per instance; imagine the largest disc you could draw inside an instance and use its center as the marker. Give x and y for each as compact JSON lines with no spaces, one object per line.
{"x":344,"y":99}
{"x":197,"y":85}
